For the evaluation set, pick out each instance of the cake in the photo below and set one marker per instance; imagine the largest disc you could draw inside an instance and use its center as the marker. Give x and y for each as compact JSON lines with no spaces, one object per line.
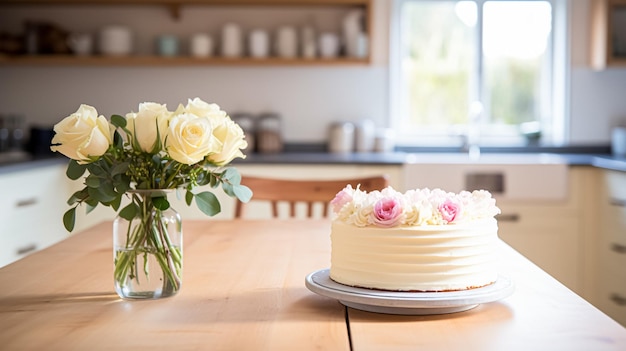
{"x":421,"y":241}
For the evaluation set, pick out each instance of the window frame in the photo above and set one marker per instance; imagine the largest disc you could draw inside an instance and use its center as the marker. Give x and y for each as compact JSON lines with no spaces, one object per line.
{"x":554,"y":132}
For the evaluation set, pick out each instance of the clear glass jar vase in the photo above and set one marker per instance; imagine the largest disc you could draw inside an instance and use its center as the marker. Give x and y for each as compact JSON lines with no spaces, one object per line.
{"x":147,"y":247}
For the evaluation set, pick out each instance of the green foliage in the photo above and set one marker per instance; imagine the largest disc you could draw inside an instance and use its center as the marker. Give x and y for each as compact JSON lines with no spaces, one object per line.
{"x":75,"y":170}
{"x":69,"y":219}
{"x":208,"y":203}
{"x":109,"y":179}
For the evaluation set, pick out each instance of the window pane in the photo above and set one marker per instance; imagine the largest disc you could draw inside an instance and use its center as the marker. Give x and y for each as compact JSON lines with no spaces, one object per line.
{"x":438,"y":43}
{"x":516,"y":37}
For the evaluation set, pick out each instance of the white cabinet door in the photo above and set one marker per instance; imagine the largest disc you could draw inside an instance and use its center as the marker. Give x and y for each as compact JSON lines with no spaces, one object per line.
{"x":31,"y":211}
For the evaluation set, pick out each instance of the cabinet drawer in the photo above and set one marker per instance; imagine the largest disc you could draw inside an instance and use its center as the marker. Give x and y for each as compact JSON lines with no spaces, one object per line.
{"x":551,"y":243}
{"x":31,"y":211}
{"x":612,"y":292}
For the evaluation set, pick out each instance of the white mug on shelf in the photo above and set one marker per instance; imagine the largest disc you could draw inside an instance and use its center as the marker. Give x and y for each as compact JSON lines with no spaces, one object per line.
{"x":115,"y":40}
{"x":329,"y":45}
{"x":286,"y":42}
{"x":201,"y":45}
{"x":308,"y":46}
{"x":258,"y":43}
{"x":81,"y":43}
{"x":232,"y":45}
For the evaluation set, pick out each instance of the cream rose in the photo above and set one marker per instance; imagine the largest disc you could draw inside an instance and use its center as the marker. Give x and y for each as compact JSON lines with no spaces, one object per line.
{"x":148,"y":125}
{"x":231,"y":137}
{"x":204,"y":109}
{"x":190,"y":139}
{"x":83,"y":135}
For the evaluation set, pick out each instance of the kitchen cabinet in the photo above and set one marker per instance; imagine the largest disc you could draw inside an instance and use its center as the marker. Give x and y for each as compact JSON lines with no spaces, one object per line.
{"x":610,"y":277}
{"x":541,"y":206}
{"x":175,"y":7}
{"x":608,"y":33}
{"x":31,"y":211}
{"x":551,"y":233}
{"x":260,"y":210}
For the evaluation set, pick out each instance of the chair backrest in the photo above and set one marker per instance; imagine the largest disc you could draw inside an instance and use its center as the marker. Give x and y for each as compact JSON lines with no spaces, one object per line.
{"x":303,"y":191}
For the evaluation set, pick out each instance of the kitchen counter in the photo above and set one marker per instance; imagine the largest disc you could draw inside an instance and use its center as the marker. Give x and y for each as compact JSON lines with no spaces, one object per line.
{"x":400,"y":158}
{"x":604,"y":161}
{"x":244,"y":289}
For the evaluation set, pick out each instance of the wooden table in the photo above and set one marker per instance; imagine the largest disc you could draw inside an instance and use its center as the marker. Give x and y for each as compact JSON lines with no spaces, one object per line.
{"x":243,"y":289}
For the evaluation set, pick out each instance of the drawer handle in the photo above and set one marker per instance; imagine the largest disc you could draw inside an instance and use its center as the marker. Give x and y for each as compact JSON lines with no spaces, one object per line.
{"x":619,"y":248}
{"x":514,"y":217}
{"x":26,"y":249}
{"x":618,"y":299}
{"x":618,"y":202}
{"x":26,"y":202}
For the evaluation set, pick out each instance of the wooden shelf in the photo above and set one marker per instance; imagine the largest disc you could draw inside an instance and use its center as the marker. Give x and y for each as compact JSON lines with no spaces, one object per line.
{"x":173,"y":7}
{"x":70,"y":60}
{"x":191,"y":2}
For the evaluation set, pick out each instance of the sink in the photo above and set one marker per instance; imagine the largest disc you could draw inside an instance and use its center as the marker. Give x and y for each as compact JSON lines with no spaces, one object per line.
{"x":506,"y":176}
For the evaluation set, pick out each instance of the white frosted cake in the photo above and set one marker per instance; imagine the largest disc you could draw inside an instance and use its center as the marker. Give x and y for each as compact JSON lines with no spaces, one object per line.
{"x":421,"y":240}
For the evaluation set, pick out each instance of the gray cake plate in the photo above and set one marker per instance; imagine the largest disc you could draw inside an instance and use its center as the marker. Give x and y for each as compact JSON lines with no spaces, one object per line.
{"x":407,"y":303}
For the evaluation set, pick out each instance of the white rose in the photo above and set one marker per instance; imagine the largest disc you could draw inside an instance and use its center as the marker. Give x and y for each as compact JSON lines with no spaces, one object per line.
{"x":190,"y":139}
{"x":231,"y":136}
{"x":201,"y":108}
{"x":148,"y":125}
{"x":82,"y":136}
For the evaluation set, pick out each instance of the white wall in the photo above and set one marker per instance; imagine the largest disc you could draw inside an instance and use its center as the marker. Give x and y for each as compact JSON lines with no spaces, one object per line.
{"x":308,"y":98}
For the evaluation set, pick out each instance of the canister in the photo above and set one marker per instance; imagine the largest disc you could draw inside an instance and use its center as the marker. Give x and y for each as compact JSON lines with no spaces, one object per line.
{"x":365,"y":135}
{"x":269,"y":135}
{"x":341,"y":137}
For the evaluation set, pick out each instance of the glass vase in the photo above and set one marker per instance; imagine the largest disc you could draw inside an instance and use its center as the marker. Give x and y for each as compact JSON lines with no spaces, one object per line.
{"x":148,"y":248}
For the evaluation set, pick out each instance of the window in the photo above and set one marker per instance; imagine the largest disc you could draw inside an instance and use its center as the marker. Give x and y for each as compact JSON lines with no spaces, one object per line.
{"x":482,"y":69}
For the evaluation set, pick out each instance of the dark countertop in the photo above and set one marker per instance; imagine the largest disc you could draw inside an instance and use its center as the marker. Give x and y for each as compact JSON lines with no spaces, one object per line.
{"x":604,"y":161}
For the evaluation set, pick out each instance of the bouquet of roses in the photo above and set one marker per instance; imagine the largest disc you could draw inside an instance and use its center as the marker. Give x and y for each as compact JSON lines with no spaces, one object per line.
{"x":151,"y":149}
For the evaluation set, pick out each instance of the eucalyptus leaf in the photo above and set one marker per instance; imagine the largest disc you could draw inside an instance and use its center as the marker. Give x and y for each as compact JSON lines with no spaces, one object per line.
{"x":231,"y":175}
{"x":92,"y":181}
{"x":228,"y":189}
{"x":203,"y":178}
{"x":115,"y":204}
{"x":77,"y":197}
{"x":97,"y":170}
{"x":91,"y":208}
{"x":208,"y":203}
{"x":242,"y":192}
{"x":69,"y":219}
{"x":188,"y":197}
{"x":75,"y":170}
{"x":118,"y":121}
{"x":161,"y":203}
{"x":213,"y":180}
{"x":129,"y":211}
{"x":91,"y":201}
{"x":101,"y":195}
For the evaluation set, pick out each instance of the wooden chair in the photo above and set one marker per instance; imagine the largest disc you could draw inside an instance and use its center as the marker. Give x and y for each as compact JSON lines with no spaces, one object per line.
{"x":303,"y":191}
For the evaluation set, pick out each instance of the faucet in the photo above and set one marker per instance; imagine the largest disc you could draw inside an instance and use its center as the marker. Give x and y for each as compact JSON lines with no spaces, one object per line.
{"x":470,"y":141}
{"x":469,"y":144}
